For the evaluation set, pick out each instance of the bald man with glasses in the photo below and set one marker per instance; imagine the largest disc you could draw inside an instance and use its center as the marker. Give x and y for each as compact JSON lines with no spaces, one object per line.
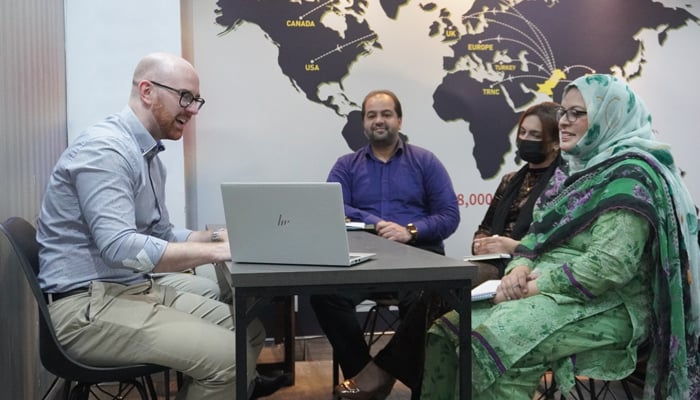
{"x":104,"y":228}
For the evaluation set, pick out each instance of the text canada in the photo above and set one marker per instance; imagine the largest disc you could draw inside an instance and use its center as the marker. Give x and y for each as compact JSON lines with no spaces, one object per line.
{"x":300,"y":23}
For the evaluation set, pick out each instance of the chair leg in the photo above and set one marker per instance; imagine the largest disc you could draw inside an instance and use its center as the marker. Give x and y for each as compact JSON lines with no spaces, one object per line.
{"x":180,"y":379}
{"x":82,"y":391}
{"x":166,"y":384}
{"x":152,"y":388}
{"x":591,"y":385}
{"x":66,"y":390}
{"x":139,"y":388}
{"x":126,"y":387}
{"x":79,"y":392}
{"x":577,"y":386}
{"x":372,"y":329}
{"x":390,"y":324}
{"x":548,"y":389}
{"x":370,"y":323}
{"x":626,"y":388}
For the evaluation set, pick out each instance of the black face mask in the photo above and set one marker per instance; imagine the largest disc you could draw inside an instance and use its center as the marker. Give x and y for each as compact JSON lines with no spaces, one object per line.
{"x":531,"y":151}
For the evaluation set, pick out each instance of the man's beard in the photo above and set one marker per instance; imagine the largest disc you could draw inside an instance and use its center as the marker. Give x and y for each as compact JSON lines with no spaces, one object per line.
{"x":386,"y":139}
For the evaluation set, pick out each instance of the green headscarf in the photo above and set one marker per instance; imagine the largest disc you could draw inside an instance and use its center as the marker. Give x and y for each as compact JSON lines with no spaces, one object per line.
{"x":619,"y":123}
{"x":618,"y":164}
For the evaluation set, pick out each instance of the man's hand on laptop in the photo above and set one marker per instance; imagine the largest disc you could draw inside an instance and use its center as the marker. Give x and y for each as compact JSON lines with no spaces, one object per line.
{"x":393,"y":231}
{"x":219,"y":235}
{"x":222,"y":252}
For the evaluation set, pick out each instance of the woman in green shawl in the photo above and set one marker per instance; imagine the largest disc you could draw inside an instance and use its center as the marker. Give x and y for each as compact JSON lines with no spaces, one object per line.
{"x":610,"y":262}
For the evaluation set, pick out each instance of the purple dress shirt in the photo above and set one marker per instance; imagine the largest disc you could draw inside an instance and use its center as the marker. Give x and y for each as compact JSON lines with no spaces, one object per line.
{"x":412,"y":187}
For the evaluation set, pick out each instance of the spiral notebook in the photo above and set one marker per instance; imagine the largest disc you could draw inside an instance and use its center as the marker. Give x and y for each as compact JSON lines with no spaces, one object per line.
{"x":486,"y":290}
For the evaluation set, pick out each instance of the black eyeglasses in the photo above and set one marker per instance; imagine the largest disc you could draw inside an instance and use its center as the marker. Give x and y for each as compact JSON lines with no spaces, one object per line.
{"x":186,"y":97}
{"x":572,"y":114}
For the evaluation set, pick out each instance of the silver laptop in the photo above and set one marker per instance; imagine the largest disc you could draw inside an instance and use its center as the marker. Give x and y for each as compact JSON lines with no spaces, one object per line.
{"x":287,"y":223}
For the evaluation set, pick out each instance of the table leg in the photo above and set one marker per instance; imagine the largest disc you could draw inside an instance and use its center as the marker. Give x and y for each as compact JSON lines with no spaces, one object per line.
{"x":241,"y":338}
{"x":465,"y":353}
{"x":460,"y":299}
{"x":289,"y":338}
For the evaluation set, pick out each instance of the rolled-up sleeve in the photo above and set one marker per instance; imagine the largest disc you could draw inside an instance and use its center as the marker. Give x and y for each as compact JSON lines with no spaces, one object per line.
{"x":106,"y":179}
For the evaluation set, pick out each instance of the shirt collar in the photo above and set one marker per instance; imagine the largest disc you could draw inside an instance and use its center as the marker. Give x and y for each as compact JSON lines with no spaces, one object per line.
{"x":399,"y":150}
{"x":155,"y":149}
{"x":148,"y":145}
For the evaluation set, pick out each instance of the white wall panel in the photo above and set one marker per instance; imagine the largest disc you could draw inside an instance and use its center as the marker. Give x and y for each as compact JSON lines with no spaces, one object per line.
{"x":104,"y":42}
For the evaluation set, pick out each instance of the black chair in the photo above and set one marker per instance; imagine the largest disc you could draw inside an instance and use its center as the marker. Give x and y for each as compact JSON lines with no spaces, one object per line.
{"x":384,"y":310}
{"x":584,"y":389}
{"x":602,"y":390}
{"x":547,"y":390}
{"x":20,"y":249}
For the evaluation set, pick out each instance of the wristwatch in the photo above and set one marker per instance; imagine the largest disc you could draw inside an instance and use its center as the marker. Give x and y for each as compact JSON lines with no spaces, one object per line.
{"x":413,"y":231}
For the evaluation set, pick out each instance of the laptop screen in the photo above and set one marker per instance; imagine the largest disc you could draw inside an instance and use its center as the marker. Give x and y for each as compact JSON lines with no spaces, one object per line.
{"x":286,"y":223}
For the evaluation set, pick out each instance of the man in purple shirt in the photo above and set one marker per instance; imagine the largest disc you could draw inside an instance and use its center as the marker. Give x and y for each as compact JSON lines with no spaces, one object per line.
{"x":406,"y":192}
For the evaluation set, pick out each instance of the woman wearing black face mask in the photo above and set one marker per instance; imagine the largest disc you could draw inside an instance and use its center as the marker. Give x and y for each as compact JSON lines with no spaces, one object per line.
{"x":510,"y":213}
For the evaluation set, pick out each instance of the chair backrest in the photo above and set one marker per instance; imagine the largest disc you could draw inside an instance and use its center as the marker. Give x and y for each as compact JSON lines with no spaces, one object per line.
{"x":19,"y":237}
{"x":22,"y":237}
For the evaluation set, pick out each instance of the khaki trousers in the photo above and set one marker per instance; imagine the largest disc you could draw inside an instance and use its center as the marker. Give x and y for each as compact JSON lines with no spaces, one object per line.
{"x":113,"y":324}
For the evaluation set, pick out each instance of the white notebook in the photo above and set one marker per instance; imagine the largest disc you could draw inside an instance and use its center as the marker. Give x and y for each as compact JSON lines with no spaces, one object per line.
{"x":486,"y":290}
{"x":487,"y":257}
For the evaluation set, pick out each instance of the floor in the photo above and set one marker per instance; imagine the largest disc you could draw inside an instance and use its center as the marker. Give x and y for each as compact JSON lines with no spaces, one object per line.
{"x":314,"y":378}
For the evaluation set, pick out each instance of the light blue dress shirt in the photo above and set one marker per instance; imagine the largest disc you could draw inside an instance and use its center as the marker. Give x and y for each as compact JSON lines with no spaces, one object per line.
{"x":103,"y":216}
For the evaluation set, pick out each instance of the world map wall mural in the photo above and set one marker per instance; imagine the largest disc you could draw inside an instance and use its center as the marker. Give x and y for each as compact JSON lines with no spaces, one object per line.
{"x":464,"y":70}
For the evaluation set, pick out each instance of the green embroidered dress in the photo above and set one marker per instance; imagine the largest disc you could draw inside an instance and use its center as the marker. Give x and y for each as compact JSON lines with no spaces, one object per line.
{"x":615,"y":246}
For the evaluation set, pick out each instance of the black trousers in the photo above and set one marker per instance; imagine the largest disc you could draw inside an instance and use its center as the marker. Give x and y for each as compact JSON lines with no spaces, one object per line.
{"x":336,"y":315}
{"x":403,"y":356}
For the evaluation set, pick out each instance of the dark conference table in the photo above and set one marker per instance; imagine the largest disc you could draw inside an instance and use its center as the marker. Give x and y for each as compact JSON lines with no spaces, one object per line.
{"x":396,"y":266}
